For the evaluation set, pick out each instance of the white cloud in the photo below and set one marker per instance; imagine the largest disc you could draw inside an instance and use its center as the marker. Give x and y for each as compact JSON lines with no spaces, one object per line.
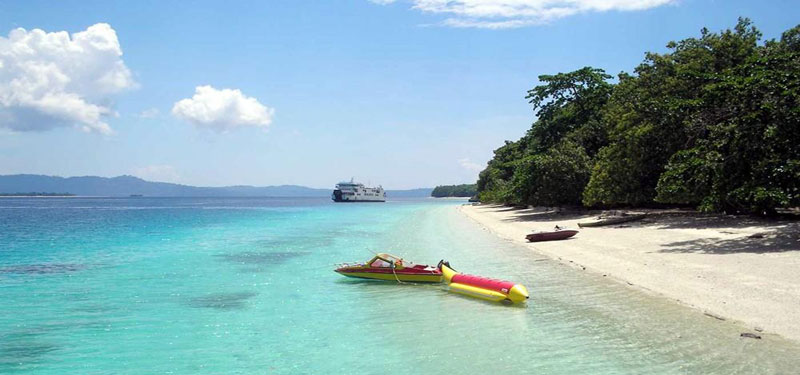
{"x":382,"y":2}
{"x":160,"y":173}
{"x":223,"y":110}
{"x":150,"y":113}
{"x":470,"y":165}
{"x":500,"y":14}
{"x":56,"y":79}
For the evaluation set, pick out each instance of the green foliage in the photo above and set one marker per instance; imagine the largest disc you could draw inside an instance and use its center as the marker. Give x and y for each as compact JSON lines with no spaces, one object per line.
{"x":465,"y":190}
{"x":662,"y":110}
{"x":689,"y":177}
{"x":561,"y":173}
{"x":753,"y":132}
{"x":566,"y":102}
{"x":493,"y":182}
{"x":625,"y":172}
{"x":714,"y":122}
{"x":550,"y":164}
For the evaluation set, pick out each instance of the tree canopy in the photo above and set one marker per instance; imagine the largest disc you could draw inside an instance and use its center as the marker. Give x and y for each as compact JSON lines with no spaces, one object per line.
{"x":714,"y":122}
{"x":465,"y":190}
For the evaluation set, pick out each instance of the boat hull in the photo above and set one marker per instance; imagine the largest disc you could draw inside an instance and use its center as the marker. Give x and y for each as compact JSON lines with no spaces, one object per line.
{"x":391,"y":277}
{"x":551,"y":236}
{"x":611,"y":221}
{"x":358,"y":193}
{"x":408,"y":274}
{"x":357,"y":201}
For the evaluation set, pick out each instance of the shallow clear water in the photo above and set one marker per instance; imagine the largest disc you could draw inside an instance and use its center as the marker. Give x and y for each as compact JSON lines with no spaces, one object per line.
{"x":245,"y":286}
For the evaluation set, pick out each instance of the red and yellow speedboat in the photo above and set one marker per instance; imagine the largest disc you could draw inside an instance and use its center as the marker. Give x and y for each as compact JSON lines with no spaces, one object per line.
{"x":389,"y":267}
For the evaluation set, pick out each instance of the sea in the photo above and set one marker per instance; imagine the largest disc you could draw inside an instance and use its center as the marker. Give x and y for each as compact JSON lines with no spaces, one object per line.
{"x":246,"y":286}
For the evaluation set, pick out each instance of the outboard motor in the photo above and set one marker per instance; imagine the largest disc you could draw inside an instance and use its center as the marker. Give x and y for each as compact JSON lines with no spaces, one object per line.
{"x":443,"y":262}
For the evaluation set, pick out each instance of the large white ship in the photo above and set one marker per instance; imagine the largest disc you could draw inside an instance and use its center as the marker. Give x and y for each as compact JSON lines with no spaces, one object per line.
{"x":355,"y":192}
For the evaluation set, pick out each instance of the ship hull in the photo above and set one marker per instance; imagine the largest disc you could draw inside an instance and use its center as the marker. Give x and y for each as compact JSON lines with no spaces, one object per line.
{"x":339,"y":197}
{"x":357,"y":201}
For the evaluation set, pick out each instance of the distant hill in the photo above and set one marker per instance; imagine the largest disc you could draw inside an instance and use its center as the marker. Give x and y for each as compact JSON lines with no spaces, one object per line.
{"x":124,"y":186}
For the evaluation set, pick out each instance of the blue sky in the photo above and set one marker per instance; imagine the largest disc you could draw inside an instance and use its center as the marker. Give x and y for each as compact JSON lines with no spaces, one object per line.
{"x":405,"y":94}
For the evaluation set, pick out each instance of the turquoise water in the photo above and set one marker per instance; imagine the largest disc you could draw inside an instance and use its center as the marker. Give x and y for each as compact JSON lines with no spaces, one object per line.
{"x":245,"y":286}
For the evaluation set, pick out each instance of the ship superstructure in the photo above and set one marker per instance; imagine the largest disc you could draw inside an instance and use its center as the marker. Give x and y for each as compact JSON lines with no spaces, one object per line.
{"x":357,"y":192}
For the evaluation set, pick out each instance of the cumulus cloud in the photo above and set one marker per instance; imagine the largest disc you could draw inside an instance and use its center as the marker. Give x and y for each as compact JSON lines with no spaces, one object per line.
{"x":52,"y":79}
{"x":160,"y":173}
{"x":223,"y":110}
{"x":470,"y":165}
{"x":499,"y":14}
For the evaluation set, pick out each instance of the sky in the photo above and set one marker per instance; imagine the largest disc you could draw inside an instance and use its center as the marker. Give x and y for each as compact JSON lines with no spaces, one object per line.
{"x":404,"y":93}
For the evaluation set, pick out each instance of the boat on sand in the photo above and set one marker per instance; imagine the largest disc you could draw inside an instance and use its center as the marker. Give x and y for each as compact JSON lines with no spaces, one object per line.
{"x":612,"y":221}
{"x":384,"y":266}
{"x":557,"y":234}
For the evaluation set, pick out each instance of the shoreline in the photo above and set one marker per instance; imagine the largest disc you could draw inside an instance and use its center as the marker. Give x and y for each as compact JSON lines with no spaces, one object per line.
{"x":737,"y":269}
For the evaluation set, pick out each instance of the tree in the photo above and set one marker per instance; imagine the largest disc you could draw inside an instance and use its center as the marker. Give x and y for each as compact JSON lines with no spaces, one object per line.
{"x":714,"y":122}
{"x":752,"y":144}
{"x":465,"y":190}
{"x":665,"y":108}
{"x":568,"y":107}
{"x":566,"y":102}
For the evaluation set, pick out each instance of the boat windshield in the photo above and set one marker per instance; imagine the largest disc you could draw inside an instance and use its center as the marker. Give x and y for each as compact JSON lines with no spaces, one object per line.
{"x":386,"y":260}
{"x":380,"y":263}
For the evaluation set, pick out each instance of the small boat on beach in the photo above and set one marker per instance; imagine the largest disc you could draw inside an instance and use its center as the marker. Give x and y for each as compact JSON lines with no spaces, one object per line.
{"x":557,"y":234}
{"x":483,"y":287}
{"x":384,"y":266}
{"x":612,"y":221}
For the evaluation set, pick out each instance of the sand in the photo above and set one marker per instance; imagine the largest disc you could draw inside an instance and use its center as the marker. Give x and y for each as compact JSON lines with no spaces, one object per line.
{"x":740,"y":269}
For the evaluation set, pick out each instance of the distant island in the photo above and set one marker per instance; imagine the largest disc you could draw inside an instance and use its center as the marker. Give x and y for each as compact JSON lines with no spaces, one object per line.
{"x":463,"y":190}
{"x":130,"y":186}
{"x":36,"y":194}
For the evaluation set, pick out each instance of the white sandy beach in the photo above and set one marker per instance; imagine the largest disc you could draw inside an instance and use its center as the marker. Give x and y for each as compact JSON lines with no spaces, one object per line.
{"x":742,"y":269}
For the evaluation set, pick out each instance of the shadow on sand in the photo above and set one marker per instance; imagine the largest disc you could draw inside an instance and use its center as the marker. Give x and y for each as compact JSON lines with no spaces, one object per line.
{"x":773,"y":236}
{"x":774,"y":242}
{"x":543,"y":214}
{"x":707,"y":221}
